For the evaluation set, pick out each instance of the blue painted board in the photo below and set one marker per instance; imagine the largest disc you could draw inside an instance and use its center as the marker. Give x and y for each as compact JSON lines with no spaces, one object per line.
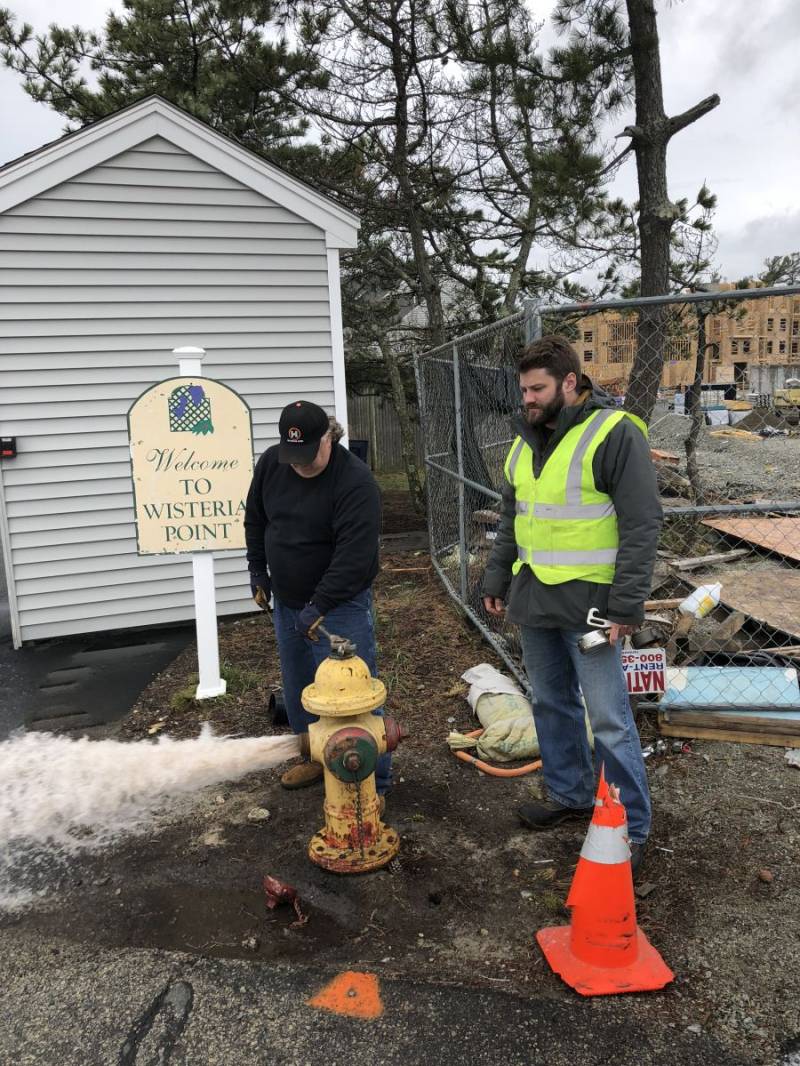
{"x":747,"y":687}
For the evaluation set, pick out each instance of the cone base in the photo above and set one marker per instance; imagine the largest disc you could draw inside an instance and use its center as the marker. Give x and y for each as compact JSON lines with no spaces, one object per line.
{"x":647,"y":973}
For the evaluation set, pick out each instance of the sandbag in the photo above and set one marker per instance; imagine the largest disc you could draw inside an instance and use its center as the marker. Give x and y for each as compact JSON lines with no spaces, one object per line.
{"x":505,"y":714}
{"x":509,"y":732}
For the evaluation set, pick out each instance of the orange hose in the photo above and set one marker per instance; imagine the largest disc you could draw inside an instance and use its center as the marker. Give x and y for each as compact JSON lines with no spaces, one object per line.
{"x":495,"y":771}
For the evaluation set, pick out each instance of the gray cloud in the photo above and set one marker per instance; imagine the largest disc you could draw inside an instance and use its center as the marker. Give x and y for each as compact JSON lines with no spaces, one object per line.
{"x":747,"y":150}
{"x":747,"y":248}
{"x":746,"y":36}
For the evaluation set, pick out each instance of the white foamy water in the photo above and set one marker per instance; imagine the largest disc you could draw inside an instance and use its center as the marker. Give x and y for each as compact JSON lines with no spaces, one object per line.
{"x":60,"y":796}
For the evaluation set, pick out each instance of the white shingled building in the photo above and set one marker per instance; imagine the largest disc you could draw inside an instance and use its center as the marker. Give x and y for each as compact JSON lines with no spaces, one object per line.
{"x":144,"y":232}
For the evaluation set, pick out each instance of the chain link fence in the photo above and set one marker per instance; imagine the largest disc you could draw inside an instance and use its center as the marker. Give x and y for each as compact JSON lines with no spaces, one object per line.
{"x":728,"y":467}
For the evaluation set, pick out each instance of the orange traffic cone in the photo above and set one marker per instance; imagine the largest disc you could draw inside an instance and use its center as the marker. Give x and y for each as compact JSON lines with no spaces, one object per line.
{"x":604,"y":951}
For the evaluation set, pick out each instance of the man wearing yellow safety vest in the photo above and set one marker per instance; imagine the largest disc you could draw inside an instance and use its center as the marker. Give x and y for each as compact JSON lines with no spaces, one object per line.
{"x":580,"y":522}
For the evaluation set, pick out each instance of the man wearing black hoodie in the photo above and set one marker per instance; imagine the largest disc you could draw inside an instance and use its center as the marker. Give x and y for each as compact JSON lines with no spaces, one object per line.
{"x":312,"y":523}
{"x":577,"y":540}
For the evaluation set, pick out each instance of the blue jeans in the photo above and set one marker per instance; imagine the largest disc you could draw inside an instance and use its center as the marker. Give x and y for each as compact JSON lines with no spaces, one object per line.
{"x":558,"y":673}
{"x":300,"y":658}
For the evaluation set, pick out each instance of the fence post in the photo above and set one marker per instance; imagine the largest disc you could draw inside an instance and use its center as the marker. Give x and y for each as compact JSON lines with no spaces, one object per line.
{"x":533,"y":320}
{"x":462,"y":525}
{"x":373,"y":433}
{"x":423,"y":422}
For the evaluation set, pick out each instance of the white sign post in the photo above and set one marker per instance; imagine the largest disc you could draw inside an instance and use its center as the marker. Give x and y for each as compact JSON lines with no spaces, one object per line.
{"x":191,"y":447}
{"x":210,"y":682}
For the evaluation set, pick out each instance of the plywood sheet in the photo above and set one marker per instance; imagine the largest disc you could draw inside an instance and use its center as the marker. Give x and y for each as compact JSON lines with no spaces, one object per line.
{"x":767,"y":594}
{"x":780,"y":535}
{"x":737,"y":736}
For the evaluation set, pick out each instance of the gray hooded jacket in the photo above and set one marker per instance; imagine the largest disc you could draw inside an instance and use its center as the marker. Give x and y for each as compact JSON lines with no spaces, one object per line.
{"x":622,"y":469}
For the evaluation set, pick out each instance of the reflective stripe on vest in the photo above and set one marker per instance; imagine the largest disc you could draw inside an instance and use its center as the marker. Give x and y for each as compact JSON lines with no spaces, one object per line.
{"x":573,"y":508}
{"x":514,"y":459}
{"x":606,"y":844}
{"x":569,"y":510}
{"x":602,"y":557}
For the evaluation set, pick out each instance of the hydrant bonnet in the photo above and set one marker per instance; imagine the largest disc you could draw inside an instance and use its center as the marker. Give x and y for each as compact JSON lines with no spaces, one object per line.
{"x":344,"y":687}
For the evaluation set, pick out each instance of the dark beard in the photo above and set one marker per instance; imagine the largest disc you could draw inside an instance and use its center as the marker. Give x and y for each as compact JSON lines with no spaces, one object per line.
{"x":548,"y":413}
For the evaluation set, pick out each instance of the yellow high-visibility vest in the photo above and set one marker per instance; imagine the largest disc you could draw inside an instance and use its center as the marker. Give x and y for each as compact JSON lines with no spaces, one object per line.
{"x":565,"y":527}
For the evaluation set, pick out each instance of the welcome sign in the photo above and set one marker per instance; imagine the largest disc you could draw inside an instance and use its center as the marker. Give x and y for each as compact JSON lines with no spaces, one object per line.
{"x":191,"y":446}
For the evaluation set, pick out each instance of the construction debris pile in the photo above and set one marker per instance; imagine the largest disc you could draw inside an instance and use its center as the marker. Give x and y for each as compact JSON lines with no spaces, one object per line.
{"x":757,"y":457}
{"x":732,"y":671}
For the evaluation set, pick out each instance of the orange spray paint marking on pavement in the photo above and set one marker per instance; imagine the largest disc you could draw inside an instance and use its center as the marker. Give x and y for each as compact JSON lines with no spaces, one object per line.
{"x":355,"y":995}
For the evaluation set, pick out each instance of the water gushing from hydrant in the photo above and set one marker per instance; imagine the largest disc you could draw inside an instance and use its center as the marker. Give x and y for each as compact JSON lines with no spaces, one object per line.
{"x":59,"y":797}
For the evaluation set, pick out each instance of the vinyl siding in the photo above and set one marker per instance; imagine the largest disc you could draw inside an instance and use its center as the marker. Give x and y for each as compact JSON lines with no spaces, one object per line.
{"x":100,"y":278}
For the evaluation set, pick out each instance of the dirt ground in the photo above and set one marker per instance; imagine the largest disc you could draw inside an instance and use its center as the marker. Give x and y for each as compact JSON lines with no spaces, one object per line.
{"x":399,"y":515}
{"x":718,"y":893}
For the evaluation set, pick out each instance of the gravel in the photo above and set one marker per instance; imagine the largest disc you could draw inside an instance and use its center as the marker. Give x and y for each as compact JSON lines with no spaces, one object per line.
{"x":736,"y":470}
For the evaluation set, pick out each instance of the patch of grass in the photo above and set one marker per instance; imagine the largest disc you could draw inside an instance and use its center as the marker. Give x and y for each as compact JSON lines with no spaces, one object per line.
{"x":397,"y":672}
{"x":239,"y":681}
{"x":553,"y":904}
{"x":394,"y":482}
{"x":401,"y":596}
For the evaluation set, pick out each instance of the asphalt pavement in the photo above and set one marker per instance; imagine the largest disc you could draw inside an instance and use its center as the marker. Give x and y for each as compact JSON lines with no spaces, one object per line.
{"x":69,"y":1005}
{"x":78,"y":682}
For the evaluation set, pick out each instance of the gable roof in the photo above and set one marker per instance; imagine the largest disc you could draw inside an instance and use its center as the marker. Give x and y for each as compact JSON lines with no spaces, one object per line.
{"x":77,"y":152}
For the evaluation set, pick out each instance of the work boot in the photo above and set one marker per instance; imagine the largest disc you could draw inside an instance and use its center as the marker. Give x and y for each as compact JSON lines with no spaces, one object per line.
{"x":637,"y":857}
{"x":548,"y":813}
{"x":302,"y":775}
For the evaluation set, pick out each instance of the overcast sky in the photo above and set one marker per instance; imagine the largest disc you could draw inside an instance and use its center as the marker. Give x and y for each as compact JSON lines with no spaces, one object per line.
{"x":748,"y":150}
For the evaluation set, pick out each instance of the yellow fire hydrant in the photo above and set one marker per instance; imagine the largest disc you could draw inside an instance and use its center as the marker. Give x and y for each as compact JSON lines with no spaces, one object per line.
{"x":347,"y":741}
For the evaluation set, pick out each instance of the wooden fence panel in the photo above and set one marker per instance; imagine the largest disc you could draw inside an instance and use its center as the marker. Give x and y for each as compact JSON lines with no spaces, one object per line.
{"x":372,"y":418}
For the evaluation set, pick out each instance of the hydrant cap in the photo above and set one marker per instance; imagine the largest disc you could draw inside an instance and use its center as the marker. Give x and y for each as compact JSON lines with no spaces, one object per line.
{"x":343,"y":687}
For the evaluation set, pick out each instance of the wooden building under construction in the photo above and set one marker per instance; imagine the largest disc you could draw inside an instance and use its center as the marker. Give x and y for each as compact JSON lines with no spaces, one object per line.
{"x":754,"y":332}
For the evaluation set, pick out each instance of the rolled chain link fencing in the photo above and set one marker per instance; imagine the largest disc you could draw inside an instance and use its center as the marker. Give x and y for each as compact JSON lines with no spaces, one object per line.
{"x":729,"y":479}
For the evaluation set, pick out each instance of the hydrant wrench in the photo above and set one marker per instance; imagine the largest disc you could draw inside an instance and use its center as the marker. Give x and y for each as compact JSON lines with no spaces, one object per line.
{"x":341,"y":647}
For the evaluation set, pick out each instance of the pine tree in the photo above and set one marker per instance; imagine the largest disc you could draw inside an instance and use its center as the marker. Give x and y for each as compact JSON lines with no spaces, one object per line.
{"x":226,"y":61}
{"x":781,"y":270}
{"x":598,"y":37}
{"x":535,"y":162}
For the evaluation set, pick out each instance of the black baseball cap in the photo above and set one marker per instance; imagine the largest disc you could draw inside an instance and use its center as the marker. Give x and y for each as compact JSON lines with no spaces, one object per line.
{"x":302,"y":426}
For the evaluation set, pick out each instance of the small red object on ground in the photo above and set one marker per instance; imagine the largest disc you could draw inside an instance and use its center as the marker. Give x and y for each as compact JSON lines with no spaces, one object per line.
{"x":278,"y":892}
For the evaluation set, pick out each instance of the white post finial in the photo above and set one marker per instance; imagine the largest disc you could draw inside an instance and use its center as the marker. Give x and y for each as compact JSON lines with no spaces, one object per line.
{"x":190,"y":361}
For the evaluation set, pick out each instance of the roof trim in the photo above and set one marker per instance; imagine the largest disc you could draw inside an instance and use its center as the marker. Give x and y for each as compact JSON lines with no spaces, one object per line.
{"x":154,"y":116}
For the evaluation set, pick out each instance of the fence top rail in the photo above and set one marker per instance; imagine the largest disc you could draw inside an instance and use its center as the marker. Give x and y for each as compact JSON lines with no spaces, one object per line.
{"x":610,"y":305}
{"x":501,"y":323}
{"x":673,"y":298}
{"x":767,"y":507}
